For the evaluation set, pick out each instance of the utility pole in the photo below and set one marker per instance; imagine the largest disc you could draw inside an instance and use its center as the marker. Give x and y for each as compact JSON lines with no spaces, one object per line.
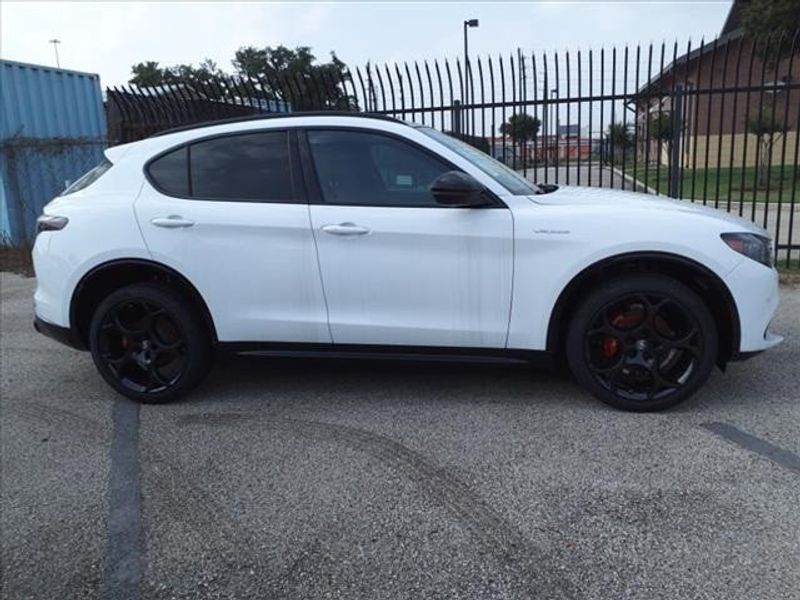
{"x":467,"y":70}
{"x":55,"y":43}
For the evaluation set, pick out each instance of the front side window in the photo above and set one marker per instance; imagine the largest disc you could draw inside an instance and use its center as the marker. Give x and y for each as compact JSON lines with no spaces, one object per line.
{"x":508,"y":178}
{"x":252,"y":167}
{"x":369,"y":169}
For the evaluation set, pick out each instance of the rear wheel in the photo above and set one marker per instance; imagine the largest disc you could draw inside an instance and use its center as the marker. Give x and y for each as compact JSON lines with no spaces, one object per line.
{"x":149,"y":343}
{"x":642,"y":342}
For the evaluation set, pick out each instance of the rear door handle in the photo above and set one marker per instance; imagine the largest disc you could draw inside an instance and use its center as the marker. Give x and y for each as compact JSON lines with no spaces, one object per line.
{"x":172,"y":222}
{"x":345,"y":229}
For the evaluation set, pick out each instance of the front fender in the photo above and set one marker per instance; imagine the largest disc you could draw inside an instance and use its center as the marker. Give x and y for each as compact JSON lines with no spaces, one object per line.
{"x":542,"y":274}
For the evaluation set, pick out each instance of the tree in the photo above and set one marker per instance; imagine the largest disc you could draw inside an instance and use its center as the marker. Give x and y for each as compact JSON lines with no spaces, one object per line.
{"x":620,"y":137}
{"x":767,"y":128}
{"x":521,"y":127}
{"x":776,"y":21}
{"x":149,"y":73}
{"x":295,"y":76}
{"x":281,"y":74}
{"x":146,"y":74}
{"x":206,"y":71}
{"x":659,"y":128}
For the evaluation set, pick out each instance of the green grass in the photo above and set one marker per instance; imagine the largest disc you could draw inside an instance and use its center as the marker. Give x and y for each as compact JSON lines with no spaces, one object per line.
{"x":793,"y":265}
{"x":737,"y":184}
{"x":789,"y":273}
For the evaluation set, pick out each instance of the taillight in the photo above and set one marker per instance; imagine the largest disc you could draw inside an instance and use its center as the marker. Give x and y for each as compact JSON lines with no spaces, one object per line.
{"x":50,"y":223}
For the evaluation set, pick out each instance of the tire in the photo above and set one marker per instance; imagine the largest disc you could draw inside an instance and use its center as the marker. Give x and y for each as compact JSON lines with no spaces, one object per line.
{"x":642,"y":342}
{"x":149,"y":343}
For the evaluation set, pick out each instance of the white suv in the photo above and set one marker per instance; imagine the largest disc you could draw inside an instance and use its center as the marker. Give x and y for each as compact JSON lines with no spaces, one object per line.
{"x":353,"y":233}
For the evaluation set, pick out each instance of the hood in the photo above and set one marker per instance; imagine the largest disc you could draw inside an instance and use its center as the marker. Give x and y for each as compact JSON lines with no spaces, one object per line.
{"x":605,"y":198}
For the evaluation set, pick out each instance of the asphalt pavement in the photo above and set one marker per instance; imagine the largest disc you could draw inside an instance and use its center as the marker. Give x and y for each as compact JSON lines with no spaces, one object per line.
{"x":332,"y":479}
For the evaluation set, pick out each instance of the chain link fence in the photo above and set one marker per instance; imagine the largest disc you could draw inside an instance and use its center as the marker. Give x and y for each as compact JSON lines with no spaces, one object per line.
{"x":34,"y":171}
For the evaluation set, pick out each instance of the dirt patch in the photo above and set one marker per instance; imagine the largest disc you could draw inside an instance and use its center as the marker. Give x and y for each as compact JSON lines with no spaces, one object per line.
{"x":15,"y":259}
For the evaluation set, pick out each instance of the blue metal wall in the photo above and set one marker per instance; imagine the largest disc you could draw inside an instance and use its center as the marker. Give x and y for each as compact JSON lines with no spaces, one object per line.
{"x":52,"y":130}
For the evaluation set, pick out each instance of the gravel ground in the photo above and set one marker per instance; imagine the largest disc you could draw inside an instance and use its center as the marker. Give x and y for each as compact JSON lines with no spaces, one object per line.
{"x":333,"y":479}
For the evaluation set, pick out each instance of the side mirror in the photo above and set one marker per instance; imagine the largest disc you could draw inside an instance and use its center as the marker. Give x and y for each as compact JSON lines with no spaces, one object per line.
{"x":458,"y":190}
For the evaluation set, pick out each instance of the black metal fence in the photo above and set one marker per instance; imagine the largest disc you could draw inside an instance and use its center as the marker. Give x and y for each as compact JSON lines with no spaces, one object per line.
{"x":715,"y":123}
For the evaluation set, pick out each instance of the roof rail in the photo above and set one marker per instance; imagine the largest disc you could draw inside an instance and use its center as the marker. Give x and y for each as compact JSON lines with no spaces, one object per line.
{"x":266,"y":116}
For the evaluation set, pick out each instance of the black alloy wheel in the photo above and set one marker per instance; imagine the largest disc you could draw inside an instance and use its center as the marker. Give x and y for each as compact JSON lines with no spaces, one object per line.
{"x":148,"y":343}
{"x":642,"y":343}
{"x":142,"y":346}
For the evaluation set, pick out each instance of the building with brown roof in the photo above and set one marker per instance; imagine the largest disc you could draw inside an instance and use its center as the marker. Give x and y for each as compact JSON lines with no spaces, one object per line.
{"x":736,"y":86}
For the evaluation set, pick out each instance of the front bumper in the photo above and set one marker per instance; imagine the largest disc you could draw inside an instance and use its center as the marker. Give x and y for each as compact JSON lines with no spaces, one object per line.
{"x":65,"y":335}
{"x":755,"y":290}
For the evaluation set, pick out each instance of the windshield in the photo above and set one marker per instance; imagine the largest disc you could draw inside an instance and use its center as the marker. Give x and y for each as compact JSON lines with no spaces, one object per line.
{"x":508,"y":178}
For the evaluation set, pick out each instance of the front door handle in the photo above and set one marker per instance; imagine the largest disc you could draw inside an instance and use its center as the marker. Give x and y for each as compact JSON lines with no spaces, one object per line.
{"x":172,"y":222}
{"x":345,"y":229}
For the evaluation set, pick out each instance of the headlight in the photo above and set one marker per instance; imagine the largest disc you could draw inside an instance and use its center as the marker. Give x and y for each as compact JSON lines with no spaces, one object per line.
{"x":757,"y":247}
{"x":50,"y":223}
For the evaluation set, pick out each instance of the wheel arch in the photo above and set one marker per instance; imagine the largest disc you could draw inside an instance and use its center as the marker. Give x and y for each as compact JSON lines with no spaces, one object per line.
{"x":107,"y":277}
{"x":702,"y":280}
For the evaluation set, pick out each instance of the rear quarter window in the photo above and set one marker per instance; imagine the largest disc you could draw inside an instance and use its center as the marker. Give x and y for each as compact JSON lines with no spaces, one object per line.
{"x":170,"y":172}
{"x":89,"y":177}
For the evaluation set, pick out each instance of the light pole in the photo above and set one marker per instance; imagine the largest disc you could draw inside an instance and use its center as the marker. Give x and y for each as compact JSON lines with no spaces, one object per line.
{"x":467,"y":71}
{"x":55,"y":43}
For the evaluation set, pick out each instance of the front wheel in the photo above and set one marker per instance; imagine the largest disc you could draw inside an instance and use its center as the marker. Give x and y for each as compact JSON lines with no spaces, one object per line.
{"x":642,"y":342}
{"x":149,"y":344}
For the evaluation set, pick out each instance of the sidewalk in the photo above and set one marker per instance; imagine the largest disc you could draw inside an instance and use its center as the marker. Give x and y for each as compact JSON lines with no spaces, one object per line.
{"x":586,"y":174}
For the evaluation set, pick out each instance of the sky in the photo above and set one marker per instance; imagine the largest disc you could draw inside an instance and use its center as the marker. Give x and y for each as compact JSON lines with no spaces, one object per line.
{"x":108,"y":37}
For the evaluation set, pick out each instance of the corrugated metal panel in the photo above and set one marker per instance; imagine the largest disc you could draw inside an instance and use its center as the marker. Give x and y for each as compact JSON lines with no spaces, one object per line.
{"x":42,"y":102}
{"x":52,"y":130}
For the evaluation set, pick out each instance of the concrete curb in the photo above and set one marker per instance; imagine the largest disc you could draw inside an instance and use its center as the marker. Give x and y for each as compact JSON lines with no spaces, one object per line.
{"x":634,"y":181}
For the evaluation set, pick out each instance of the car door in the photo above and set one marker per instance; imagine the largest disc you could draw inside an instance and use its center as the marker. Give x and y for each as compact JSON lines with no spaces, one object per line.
{"x":229,"y":213}
{"x":397,"y":268}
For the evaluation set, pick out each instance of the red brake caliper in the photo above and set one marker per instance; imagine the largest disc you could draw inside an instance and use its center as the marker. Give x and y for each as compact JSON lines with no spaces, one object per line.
{"x":610,"y":344}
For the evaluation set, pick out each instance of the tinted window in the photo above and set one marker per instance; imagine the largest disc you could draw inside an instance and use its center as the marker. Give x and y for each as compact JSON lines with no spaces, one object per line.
{"x":170,"y":173}
{"x":253,"y":166}
{"x":364,"y":168}
{"x":247,"y":167}
{"x":508,"y":178}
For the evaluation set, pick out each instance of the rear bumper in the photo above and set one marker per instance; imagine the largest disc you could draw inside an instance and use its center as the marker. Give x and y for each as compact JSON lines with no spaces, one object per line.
{"x":65,"y":335}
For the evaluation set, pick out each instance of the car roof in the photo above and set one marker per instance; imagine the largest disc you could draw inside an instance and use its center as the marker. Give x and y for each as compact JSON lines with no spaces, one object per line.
{"x":274,"y":116}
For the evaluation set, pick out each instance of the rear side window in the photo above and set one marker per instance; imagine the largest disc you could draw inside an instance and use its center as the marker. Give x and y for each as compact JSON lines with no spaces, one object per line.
{"x":253,"y":167}
{"x":89,"y":177}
